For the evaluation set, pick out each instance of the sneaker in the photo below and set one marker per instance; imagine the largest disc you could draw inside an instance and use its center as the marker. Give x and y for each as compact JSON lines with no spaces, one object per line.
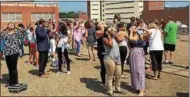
{"x":68,"y":72}
{"x":59,"y":72}
{"x":165,"y":62}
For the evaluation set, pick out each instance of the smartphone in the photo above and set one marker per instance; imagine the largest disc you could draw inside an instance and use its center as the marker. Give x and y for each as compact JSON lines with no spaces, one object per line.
{"x":140,"y":31}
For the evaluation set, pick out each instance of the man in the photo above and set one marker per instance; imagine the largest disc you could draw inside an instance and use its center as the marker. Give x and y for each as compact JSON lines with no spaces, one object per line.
{"x":170,"y":39}
{"x":43,"y":46}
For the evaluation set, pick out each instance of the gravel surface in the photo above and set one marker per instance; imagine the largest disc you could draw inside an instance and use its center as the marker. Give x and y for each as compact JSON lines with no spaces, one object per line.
{"x":85,"y":80}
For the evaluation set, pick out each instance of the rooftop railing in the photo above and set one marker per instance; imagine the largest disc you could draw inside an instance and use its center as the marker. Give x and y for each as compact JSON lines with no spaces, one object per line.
{"x":53,"y":4}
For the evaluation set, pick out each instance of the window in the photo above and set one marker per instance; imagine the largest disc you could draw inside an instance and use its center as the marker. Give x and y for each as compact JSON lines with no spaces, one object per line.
{"x":11,"y":17}
{"x":94,"y":9}
{"x":38,"y":16}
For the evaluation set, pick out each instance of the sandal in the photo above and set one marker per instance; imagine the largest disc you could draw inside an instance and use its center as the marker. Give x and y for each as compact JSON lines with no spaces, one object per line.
{"x":155,"y":78}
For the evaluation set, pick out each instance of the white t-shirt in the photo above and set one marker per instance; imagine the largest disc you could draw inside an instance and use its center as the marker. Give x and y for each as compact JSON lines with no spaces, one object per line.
{"x":155,"y":41}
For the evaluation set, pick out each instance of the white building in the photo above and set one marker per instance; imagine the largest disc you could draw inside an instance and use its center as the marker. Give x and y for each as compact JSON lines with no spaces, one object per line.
{"x":126,"y":9}
{"x":93,"y":10}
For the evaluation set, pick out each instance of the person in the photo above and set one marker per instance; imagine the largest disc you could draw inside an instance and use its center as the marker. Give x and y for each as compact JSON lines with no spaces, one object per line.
{"x":69,"y":30}
{"x":32,"y":45}
{"x":123,"y":46}
{"x":132,"y":23}
{"x":101,"y":50}
{"x":137,"y":59}
{"x":51,"y":34}
{"x":90,"y":35}
{"x":77,"y":34}
{"x":116,"y":21}
{"x":11,"y":51}
{"x":112,"y":61}
{"x":62,"y":48}
{"x":156,"y":49}
{"x":37,"y":53}
{"x":22,"y":39}
{"x":170,"y":39}
{"x":43,"y":46}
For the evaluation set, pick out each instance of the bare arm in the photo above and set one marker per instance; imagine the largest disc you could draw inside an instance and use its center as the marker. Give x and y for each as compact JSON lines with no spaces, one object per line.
{"x":108,"y":42}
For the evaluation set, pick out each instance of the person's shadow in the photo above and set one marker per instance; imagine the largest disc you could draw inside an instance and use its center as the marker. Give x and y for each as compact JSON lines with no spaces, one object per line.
{"x":94,"y":85}
{"x":180,"y":94}
{"x":5,"y":79}
{"x":34,"y":72}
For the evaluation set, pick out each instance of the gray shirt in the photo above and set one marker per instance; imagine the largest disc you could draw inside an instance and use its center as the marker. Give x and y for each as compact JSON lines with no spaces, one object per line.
{"x":113,"y":52}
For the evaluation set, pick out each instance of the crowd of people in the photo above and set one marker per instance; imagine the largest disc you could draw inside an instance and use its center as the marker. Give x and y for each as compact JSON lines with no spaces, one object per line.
{"x":117,"y":44}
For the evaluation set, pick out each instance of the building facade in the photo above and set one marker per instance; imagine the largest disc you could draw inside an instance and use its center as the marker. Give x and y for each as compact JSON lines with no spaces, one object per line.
{"x":27,"y":12}
{"x":93,"y":10}
{"x":126,"y":9}
{"x":157,"y":9}
{"x":107,"y":10}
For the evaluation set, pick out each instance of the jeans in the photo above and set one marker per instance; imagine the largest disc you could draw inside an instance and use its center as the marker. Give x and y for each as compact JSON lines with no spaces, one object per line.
{"x":78,"y":43}
{"x":60,"y":57}
{"x":43,"y":59}
{"x":12,"y":68}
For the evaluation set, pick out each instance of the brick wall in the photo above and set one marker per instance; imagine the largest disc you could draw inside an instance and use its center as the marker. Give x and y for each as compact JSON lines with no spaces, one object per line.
{"x":27,"y":10}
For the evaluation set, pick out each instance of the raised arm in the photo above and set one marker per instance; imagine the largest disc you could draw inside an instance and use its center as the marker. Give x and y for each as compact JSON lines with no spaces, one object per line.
{"x":41,"y":32}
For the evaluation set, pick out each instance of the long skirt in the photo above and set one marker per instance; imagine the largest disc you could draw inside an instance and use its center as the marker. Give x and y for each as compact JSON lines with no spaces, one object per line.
{"x":137,"y":67}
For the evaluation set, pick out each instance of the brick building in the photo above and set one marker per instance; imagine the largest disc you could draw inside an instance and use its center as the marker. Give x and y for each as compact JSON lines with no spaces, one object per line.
{"x":157,"y":9}
{"x":83,"y":15}
{"x":27,"y":12}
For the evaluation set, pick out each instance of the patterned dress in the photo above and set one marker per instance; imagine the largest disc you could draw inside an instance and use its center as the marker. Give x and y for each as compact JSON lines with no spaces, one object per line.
{"x":12,"y":44}
{"x":137,"y":65}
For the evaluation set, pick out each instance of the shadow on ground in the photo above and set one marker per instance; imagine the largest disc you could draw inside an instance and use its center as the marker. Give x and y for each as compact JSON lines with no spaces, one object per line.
{"x":34,"y":72}
{"x":5,"y":79}
{"x":97,"y":67}
{"x":179,"y":94}
{"x":54,"y":70}
{"x":82,"y":59}
{"x":93,"y":84}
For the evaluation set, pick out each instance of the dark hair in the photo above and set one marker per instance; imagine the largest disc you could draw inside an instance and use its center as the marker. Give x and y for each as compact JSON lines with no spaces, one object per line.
{"x":139,"y":21}
{"x":41,"y":21}
{"x":105,"y":31}
{"x":117,"y":16}
{"x":21,"y":25}
{"x":31,"y":29}
{"x":87,"y":24}
{"x":63,"y":29}
{"x":121,"y":25}
{"x":132,"y":19}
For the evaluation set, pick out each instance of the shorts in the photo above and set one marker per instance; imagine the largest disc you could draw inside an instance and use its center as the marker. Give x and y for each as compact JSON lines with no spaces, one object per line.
{"x":169,"y":47}
{"x":52,"y":46}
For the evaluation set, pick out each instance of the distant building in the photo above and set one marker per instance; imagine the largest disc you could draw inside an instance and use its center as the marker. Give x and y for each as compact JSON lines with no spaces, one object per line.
{"x":83,"y":15}
{"x":27,"y":12}
{"x":105,"y":11}
{"x":126,"y":9}
{"x":93,"y":10}
{"x":157,"y":9}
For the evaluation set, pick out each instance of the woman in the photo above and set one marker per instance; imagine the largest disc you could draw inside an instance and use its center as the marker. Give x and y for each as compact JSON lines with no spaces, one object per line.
{"x":100,"y":50}
{"x":90,"y":35}
{"x":112,"y":61}
{"x":62,"y":48}
{"x":22,"y":39}
{"x":37,"y":53}
{"x":77,"y":34}
{"x":123,"y":48}
{"x":11,"y":52}
{"x":156,"y":49}
{"x":137,"y":59}
{"x":32,"y":45}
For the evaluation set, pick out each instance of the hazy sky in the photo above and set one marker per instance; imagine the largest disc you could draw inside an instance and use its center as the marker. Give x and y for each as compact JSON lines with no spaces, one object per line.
{"x":82,"y":6}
